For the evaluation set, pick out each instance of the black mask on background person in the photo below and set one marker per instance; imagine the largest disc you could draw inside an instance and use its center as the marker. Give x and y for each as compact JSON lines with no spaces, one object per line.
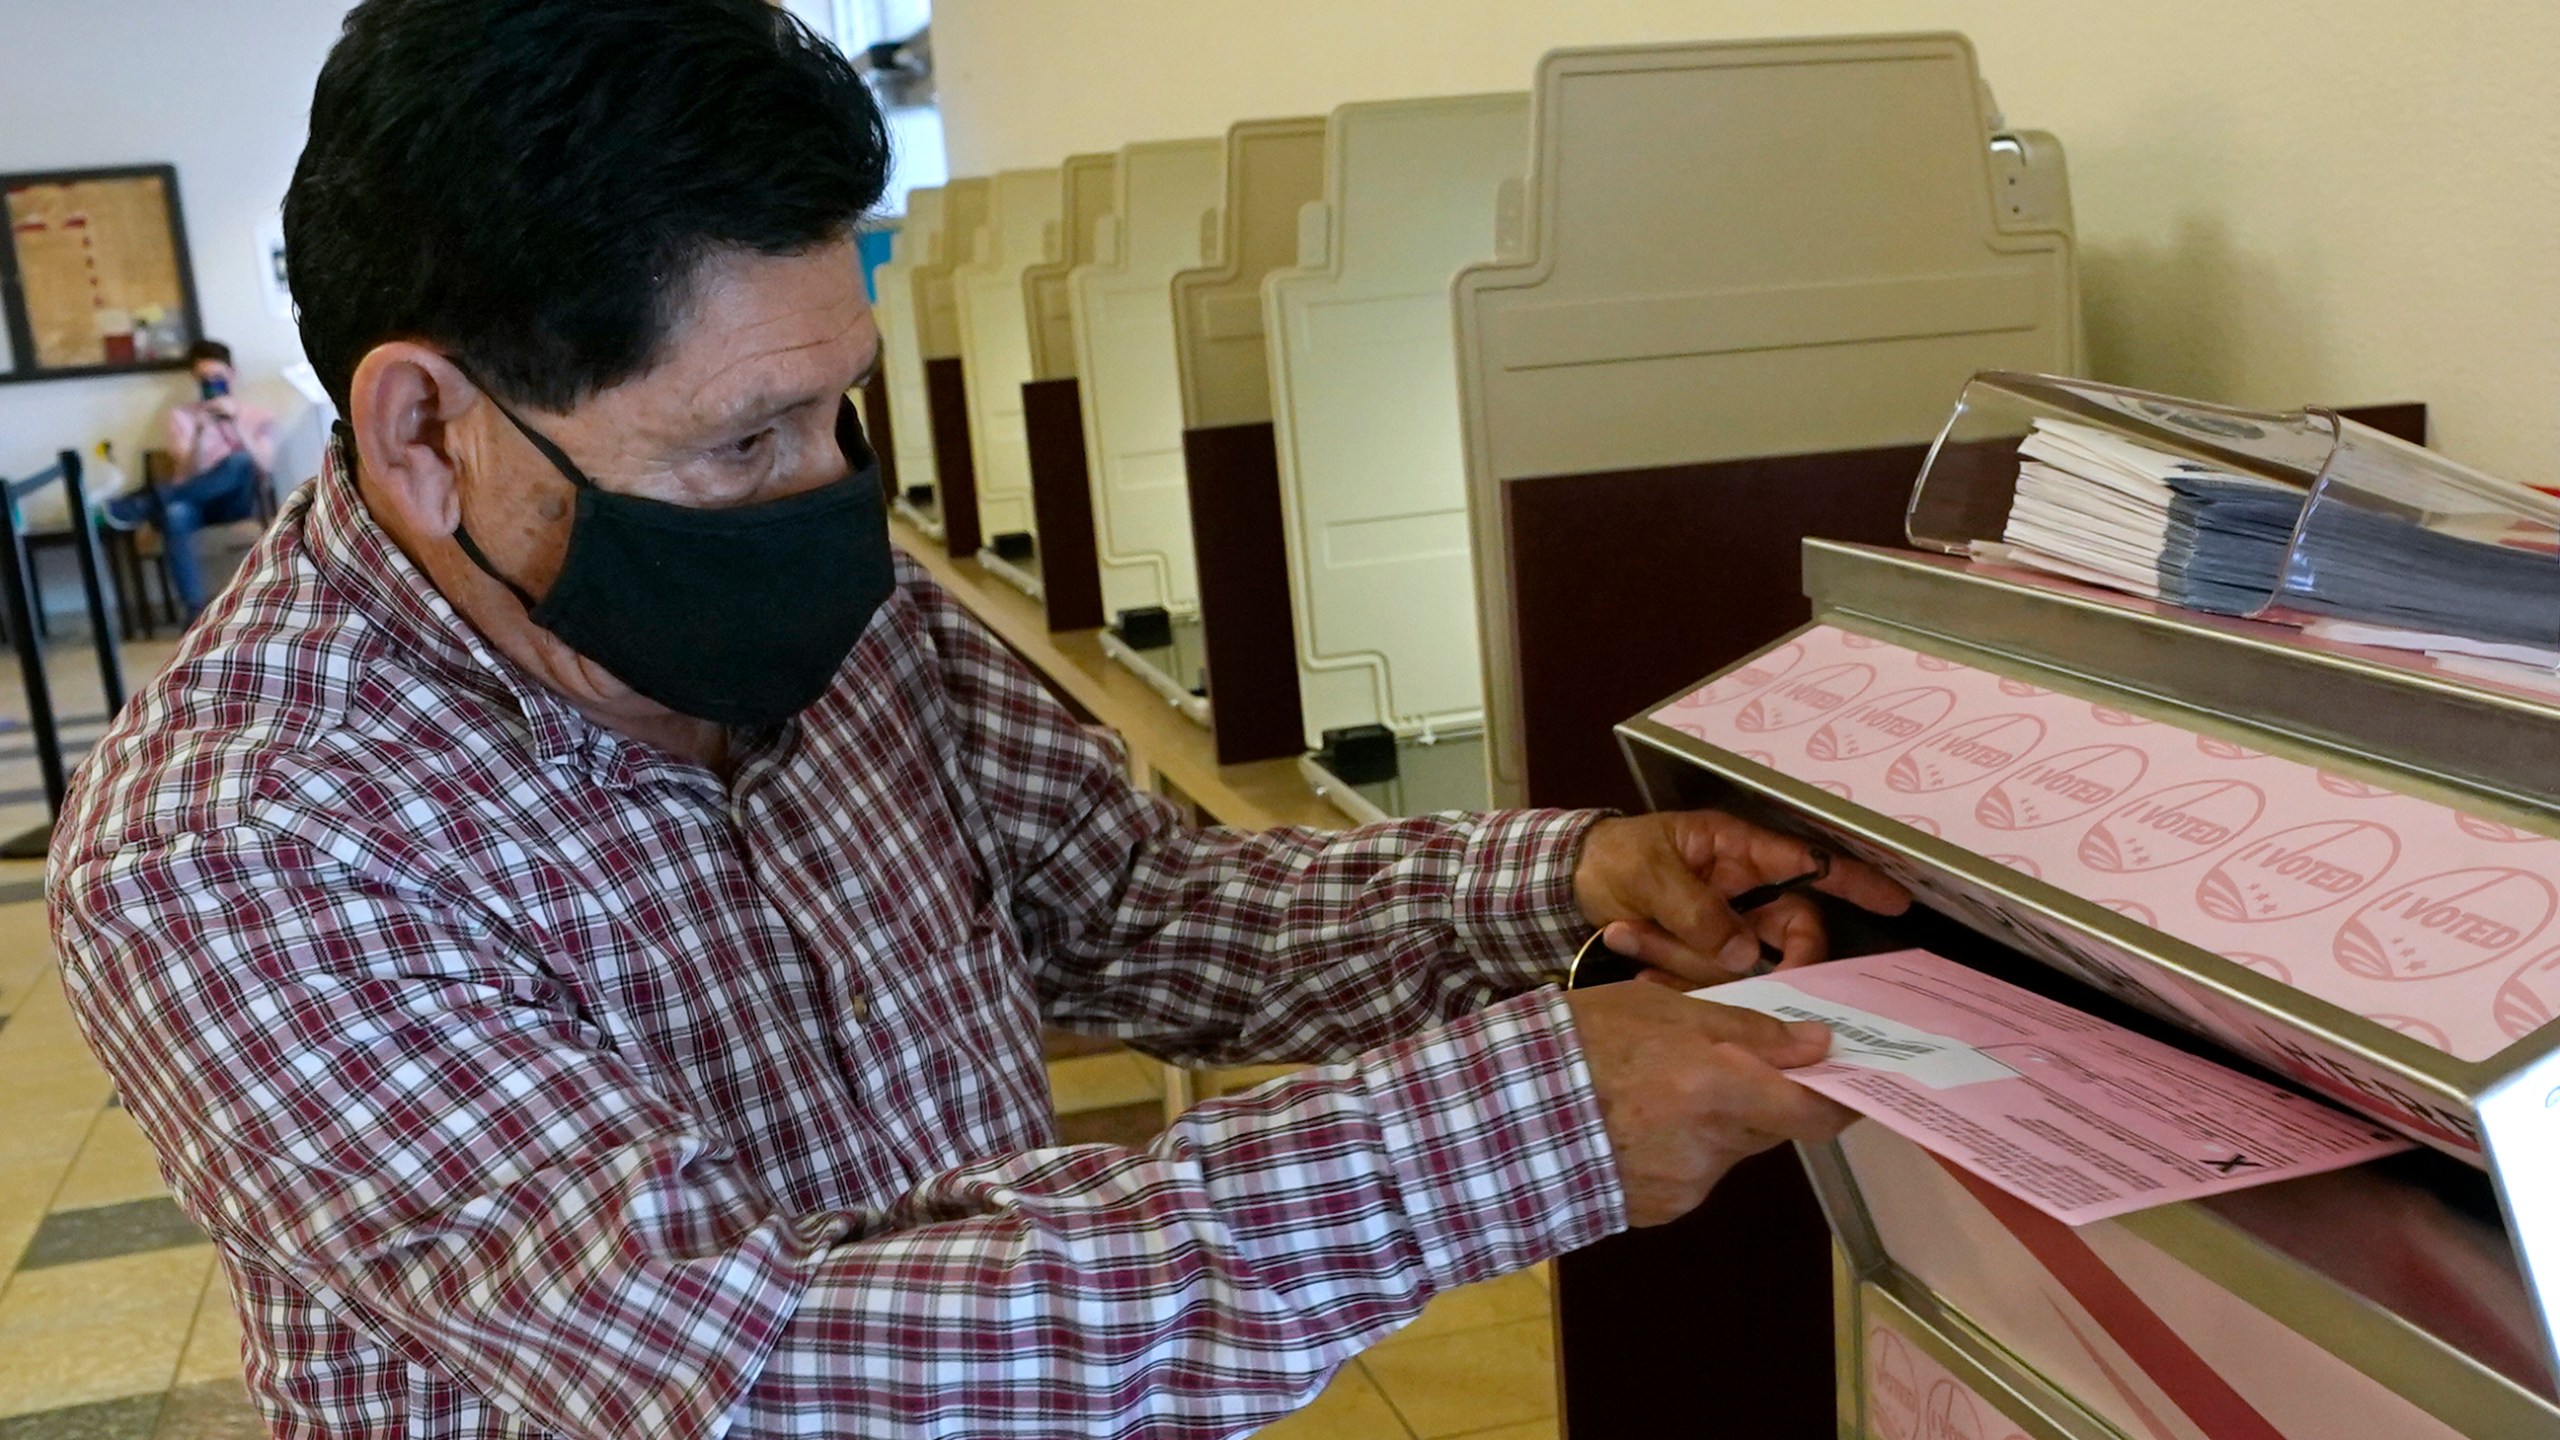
{"x":739,"y":615}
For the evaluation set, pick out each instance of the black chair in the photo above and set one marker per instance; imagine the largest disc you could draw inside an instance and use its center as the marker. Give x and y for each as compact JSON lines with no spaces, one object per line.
{"x":131,"y":568}
{"x":137,"y":569}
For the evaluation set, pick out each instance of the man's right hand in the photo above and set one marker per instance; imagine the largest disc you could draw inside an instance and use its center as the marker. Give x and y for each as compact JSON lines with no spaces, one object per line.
{"x":1688,"y":1087}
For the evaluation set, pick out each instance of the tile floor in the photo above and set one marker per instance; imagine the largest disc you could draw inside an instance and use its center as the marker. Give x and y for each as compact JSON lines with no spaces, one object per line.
{"x":114,"y":1324}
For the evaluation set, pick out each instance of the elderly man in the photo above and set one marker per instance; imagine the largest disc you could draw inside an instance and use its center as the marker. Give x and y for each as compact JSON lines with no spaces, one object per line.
{"x":576,"y":918}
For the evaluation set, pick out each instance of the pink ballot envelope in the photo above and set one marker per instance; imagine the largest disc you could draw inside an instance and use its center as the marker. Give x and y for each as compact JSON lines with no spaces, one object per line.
{"x":2081,"y":1118}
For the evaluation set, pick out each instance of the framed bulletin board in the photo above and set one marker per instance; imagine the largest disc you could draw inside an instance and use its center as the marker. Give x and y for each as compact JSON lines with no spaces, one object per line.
{"x":94,"y":278}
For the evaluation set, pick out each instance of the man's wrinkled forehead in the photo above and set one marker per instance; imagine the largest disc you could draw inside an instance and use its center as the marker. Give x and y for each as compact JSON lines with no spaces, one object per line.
{"x":757,"y":336}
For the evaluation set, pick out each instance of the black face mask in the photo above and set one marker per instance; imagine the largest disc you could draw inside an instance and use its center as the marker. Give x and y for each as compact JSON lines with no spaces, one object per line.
{"x":739,"y":615}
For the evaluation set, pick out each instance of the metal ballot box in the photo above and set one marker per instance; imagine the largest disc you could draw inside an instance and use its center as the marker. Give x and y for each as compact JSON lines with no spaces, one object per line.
{"x":2332,"y":863}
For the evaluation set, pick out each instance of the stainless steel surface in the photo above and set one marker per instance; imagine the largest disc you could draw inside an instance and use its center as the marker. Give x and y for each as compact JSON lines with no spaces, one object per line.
{"x":2520,"y":1119}
{"x":2329,"y":1257}
{"x":2029,"y":1405}
{"x":2492,"y":746}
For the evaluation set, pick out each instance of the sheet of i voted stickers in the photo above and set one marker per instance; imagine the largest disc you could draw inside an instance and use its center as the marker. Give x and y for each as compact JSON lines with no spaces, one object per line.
{"x":2442,"y":925}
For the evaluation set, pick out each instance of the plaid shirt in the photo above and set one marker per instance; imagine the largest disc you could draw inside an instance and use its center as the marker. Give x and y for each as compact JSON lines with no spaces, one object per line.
{"x":533,"y":1081}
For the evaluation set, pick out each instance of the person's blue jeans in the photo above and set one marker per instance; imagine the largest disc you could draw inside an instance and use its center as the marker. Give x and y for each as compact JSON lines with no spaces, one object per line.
{"x":225,"y":492}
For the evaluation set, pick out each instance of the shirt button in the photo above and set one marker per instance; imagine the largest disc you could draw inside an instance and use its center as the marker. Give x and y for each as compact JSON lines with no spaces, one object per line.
{"x":861,"y":1007}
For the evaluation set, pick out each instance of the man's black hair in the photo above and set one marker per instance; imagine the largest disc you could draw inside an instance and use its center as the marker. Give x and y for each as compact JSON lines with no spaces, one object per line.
{"x":204,"y":350}
{"x":530,"y":185}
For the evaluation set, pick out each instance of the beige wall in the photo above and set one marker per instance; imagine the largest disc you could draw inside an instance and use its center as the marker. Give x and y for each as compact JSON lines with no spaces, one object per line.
{"x":2280,"y":201}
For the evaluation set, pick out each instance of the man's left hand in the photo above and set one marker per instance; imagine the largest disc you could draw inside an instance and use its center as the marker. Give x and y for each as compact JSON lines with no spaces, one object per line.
{"x":1659,"y":887}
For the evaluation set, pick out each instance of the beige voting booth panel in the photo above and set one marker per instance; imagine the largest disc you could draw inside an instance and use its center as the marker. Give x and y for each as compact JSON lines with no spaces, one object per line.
{"x":995,"y":342}
{"x":964,"y":213}
{"x":1230,"y":468}
{"x":1274,"y":167}
{"x":901,"y":321}
{"x":1088,"y":188}
{"x":954,"y":508}
{"x":1365,"y":409}
{"x":1122,"y":318}
{"x":1070,"y":583}
{"x":1747,"y":250}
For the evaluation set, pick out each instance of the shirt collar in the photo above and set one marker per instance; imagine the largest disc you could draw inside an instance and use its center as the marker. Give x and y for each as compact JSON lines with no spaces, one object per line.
{"x":355,"y":552}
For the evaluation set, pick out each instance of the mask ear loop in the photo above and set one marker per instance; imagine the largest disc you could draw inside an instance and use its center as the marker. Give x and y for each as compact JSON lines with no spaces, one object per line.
{"x":471,"y":552}
{"x":559,"y":461}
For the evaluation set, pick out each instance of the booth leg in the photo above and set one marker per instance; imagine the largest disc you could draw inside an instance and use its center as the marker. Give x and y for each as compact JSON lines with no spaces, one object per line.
{"x":84,"y":532}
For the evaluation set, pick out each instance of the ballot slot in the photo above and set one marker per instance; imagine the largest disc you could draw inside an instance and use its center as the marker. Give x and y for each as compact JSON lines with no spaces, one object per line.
{"x":1274,"y":167}
{"x":994,"y":326}
{"x":900,"y":317}
{"x":2383,"y":1321}
{"x":1745,"y":275}
{"x":2134,"y":798}
{"x":1121,"y":312}
{"x":2413,"y":1240}
{"x":2141,"y":858}
{"x":1052,"y":400}
{"x":1362,"y":359}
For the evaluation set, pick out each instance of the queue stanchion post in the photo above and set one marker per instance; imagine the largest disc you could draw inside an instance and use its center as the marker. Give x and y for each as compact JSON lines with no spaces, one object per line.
{"x":15,"y":577}
{"x":84,"y":534}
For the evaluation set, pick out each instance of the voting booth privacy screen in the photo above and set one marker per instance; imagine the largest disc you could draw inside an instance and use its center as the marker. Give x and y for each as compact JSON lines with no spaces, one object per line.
{"x":1088,"y":189}
{"x":1122,"y":309}
{"x":1363,"y":378}
{"x":1744,"y":250}
{"x":1021,"y":231}
{"x":899,"y":315}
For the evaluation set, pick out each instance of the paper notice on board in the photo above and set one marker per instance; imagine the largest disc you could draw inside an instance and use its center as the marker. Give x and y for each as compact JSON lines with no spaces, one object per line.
{"x":2081,"y":1118}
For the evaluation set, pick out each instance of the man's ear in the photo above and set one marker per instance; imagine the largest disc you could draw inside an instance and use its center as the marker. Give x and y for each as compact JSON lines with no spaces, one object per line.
{"x":407,"y":400}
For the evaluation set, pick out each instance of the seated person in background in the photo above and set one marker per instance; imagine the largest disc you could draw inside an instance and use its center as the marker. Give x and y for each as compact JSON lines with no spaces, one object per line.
{"x":224,"y":448}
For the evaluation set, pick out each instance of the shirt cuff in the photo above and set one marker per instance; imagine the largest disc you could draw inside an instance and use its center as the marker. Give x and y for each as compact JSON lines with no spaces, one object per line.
{"x":1495,"y":1140}
{"x":1514,"y":908}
